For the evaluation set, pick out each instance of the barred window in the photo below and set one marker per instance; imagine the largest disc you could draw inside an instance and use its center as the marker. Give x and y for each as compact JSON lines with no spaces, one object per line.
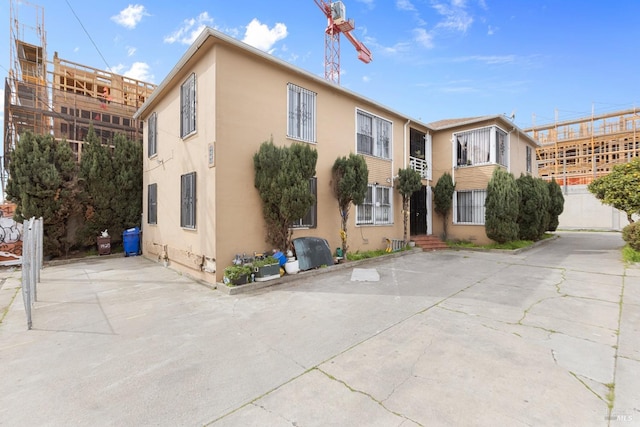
{"x":188,"y":106}
{"x":310,"y":219}
{"x":529,"y":159}
{"x":152,"y":132}
{"x":301,"y":113}
{"x":152,"y":204}
{"x":377,"y":207}
{"x":469,"y":207}
{"x":374,"y":135}
{"x":188,"y":200}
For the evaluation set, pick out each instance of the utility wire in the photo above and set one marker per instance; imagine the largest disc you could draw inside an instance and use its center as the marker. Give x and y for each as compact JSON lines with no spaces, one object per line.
{"x":88,"y":35}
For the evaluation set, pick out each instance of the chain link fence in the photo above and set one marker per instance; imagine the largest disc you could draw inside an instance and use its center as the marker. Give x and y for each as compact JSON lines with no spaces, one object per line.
{"x":31,"y":263}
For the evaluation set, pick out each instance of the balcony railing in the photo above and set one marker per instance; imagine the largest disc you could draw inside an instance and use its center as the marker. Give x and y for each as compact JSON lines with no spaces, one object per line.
{"x":419,"y":165}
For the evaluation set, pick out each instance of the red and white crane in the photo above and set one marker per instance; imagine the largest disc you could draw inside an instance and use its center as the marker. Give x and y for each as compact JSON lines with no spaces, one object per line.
{"x":338,"y":23}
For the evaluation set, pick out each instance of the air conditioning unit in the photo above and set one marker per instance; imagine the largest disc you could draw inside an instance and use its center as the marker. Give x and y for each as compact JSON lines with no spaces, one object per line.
{"x":338,"y":12}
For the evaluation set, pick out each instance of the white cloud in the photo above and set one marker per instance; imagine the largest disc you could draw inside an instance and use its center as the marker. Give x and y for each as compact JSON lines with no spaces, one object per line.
{"x":492,"y":30}
{"x":131,"y":51}
{"x":455,"y":16}
{"x":366,"y":79}
{"x":190,"y":30}
{"x":138,"y":70}
{"x":130,"y":16}
{"x":423,"y":37}
{"x":405,"y":5}
{"x":262,"y":37}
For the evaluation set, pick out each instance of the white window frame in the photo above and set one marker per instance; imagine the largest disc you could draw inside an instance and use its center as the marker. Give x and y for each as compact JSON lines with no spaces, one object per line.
{"x":474,"y":209}
{"x":188,"y":106}
{"x":301,"y":113}
{"x":375,"y":132}
{"x":481,"y":146}
{"x":188,"y":200}
{"x":152,"y":135}
{"x":377,"y":207}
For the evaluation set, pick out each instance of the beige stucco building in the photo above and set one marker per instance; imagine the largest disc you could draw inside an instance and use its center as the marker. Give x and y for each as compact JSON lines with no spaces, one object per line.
{"x":207,"y":119}
{"x":209,"y":116}
{"x":470,"y":149}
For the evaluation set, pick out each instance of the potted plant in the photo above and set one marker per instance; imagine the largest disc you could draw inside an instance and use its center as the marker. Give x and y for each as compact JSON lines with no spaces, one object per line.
{"x":266,"y":269}
{"x":237,"y":275}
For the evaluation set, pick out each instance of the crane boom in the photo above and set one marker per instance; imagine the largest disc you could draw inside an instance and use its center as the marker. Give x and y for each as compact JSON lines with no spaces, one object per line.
{"x":336,"y":24}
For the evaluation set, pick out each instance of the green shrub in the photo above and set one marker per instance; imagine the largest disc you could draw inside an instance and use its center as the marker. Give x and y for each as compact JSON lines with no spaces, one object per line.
{"x":631,"y":235}
{"x":502,"y":206}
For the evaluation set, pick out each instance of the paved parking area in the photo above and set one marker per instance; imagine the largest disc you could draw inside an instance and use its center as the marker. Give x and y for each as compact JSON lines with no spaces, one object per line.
{"x":550,"y":336}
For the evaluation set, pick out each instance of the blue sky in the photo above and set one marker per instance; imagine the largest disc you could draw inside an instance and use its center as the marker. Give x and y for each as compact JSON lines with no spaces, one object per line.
{"x":432,"y":59}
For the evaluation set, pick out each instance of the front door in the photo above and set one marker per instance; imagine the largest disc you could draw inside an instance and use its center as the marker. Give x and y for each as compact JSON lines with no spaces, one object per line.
{"x":418,"y":216}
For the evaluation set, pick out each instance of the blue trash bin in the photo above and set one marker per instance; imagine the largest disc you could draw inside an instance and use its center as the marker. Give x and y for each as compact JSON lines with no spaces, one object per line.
{"x":131,"y":241}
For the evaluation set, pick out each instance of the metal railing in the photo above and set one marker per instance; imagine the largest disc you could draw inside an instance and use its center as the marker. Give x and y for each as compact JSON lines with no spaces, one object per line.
{"x":32,"y":235}
{"x":419,"y":165}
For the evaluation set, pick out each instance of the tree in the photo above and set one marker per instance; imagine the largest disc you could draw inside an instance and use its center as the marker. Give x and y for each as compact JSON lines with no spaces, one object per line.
{"x":443,"y":198}
{"x":282,"y":176}
{"x":409,"y":181}
{"x":545,"y":205}
{"x":41,"y":184}
{"x":350,"y":177}
{"x":501,"y":207}
{"x":620,"y":188}
{"x":98,"y":189}
{"x":127,"y":177}
{"x":533,"y":213}
{"x":556,"y":204}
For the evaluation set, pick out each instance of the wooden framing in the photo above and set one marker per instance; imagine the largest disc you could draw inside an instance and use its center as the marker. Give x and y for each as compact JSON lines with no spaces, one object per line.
{"x":64,"y":98}
{"x":576,"y":152}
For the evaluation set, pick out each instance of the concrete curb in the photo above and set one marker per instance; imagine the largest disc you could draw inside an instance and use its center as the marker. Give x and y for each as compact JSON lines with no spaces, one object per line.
{"x":286,"y":279}
{"x":510,"y":251}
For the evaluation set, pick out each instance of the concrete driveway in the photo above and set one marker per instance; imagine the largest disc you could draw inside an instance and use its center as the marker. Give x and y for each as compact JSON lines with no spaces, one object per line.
{"x":550,"y":336}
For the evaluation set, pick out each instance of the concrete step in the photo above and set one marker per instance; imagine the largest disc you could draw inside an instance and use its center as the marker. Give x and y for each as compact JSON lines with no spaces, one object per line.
{"x":429,"y":242}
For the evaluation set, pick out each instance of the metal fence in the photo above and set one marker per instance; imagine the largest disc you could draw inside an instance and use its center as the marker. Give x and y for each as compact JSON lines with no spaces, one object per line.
{"x":31,"y":263}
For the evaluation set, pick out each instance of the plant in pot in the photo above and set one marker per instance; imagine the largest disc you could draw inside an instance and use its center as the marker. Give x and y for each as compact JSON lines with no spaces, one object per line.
{"x":266,"y":269}
{"x":237,"y":275}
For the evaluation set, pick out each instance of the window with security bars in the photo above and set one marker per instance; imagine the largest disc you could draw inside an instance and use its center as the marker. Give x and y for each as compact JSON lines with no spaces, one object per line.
{"x":374,"y":135}
{"x":188,"y":106}
{"x":188,"y":200}
{"x":301,"y":113}
{"x":152,"y":204}
{"x":310,"y":219}
{"x":469,"y":207}
{"x":482,"y":146}
{"x":529,"y":159}
{"x":377,"y":207}
{"x":152,"y":135}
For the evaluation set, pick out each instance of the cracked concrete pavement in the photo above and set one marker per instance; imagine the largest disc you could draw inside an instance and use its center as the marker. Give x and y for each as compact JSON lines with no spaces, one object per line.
{"x":550,"y":336}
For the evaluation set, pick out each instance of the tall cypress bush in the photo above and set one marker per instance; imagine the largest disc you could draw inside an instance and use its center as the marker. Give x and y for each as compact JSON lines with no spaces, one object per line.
{"x":443,"y":199}
{"x":41,"y":184}
{"x":282,"y":177}
{"x":533,"y":208}
{"x":556,"y":204}
{"x":502,"y":207}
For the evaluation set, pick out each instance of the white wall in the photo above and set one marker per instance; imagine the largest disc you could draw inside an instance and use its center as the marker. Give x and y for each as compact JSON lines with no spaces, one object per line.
{"x":583,"y":211}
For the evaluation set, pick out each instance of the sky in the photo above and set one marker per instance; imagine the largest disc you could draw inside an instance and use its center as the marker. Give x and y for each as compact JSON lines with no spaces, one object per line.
{"x":540,"y":60}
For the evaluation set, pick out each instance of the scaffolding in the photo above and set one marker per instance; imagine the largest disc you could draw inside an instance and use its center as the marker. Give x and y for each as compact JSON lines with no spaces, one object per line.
{"x":575,"y":152}
{"x":63,"y":98}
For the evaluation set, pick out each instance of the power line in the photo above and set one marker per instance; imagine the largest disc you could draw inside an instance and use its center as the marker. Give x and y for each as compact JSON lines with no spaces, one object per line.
{"x":88,"y":35}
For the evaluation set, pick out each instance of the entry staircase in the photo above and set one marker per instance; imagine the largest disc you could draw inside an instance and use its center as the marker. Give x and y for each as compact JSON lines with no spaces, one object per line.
{"x":429,"y":242}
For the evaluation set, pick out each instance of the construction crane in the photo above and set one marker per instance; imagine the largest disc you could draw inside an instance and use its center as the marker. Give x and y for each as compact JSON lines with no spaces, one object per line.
{"x":338,"y":23}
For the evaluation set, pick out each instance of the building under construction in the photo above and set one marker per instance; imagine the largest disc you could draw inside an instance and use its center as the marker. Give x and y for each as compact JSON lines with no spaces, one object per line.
{"x":62,"y":98}
{"x":575,"y":152}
